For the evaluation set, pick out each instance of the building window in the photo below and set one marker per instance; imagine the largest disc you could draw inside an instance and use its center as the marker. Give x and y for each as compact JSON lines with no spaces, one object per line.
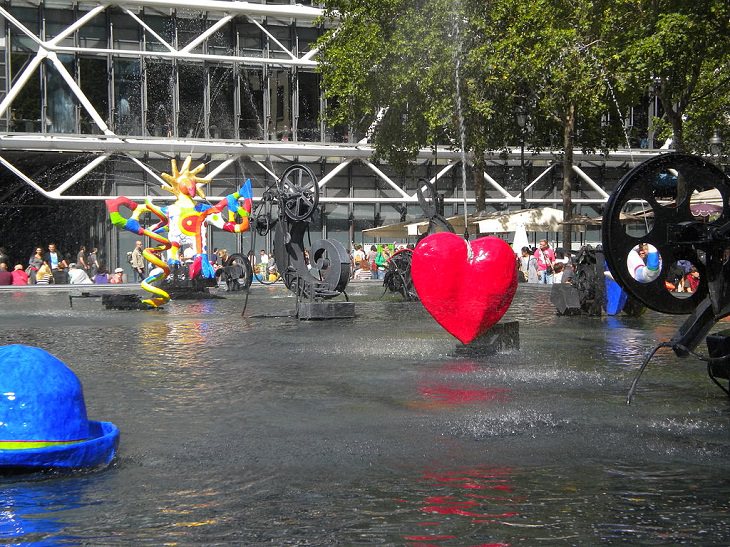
{"x":308,"y":122}
{"x":160,"y":91}
{"x":251,"y":125}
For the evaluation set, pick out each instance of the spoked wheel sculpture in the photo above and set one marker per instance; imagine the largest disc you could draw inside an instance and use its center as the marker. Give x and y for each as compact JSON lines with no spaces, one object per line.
{"x":642,"y":257}
{"x":237,"y":272}
{"x":398,"y":275}
{"x":296,"y":198}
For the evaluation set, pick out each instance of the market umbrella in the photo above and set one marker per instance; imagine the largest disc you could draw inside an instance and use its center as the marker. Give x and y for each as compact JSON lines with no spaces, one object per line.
{"x":705,"y":209}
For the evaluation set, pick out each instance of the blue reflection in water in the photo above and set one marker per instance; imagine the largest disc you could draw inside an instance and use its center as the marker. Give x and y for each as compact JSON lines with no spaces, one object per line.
{"x":31,"y":512}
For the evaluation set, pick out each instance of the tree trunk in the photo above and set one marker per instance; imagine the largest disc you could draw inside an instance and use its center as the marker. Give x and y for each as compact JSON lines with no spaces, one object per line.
{"x":567,"y":191}
{"x":674,"y":114}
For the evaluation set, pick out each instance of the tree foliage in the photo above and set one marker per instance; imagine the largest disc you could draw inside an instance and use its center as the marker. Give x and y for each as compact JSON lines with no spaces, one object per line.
{"x":571,"y":67}
{"x":681,"y":51}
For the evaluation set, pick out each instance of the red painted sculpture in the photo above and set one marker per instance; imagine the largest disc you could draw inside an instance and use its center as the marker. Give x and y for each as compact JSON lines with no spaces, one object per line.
{"x":466,"y":294}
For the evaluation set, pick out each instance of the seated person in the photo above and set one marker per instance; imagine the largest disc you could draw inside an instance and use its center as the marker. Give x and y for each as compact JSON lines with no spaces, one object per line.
{"x":6,"y":278}
{"x":20,"y":277}
{"x":101,"y":277}
{"x":44,"y":275}
{"x":644,"y":263}
{"x":117,"y":277}
{"x":78,"y":276}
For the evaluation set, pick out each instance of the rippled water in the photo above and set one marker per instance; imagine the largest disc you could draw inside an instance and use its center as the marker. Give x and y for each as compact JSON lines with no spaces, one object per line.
{"x":267,"y":430}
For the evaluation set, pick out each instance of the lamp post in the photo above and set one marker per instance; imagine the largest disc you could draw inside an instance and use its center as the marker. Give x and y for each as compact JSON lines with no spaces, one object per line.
{"x":522,"y":122}
{"x":716,"y":146}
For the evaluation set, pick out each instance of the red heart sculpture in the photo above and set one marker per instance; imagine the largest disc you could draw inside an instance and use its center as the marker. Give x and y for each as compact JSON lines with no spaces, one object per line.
{"x":465,"y":294}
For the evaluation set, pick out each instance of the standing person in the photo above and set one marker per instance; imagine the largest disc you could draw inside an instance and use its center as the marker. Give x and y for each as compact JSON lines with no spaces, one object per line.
{"x":545,"y":260}
{"x":381,"y":261}
{"x":58,"y":265}
{"x":92,"y":260}
{"x":34,"y":264}
{"x":528,"y":266}
{"x":372,"y":255}
{"x":358,"y":258}
{"x":264,"y":263}
{"x":19,"y":276}
{"x":81,"y":260}
{"x":138,"y":262}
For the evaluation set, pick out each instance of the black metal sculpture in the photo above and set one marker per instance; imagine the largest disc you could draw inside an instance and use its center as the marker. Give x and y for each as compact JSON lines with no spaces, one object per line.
{"x":665,"y":191}
{"x":398,"y":274}
{"x":287,"y":209}
{"x":585,"y":293}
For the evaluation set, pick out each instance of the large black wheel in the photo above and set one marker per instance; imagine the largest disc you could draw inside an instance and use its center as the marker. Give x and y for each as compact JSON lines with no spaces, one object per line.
{"x":298,"y":192}
{"x":658,"y":207}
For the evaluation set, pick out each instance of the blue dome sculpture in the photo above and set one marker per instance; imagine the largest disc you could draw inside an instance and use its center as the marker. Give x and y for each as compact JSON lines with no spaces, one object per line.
{"x":43,"y":422}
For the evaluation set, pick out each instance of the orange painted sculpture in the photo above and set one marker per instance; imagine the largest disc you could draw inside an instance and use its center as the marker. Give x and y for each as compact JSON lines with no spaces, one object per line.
{"x":182,"y":225}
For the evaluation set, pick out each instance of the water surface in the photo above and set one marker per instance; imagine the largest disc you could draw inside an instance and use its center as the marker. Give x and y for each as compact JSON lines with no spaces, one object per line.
{"x":264,"y":429}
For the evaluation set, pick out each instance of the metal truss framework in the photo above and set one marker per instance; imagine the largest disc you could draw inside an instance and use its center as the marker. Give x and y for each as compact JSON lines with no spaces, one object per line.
{"x":226,"y":153}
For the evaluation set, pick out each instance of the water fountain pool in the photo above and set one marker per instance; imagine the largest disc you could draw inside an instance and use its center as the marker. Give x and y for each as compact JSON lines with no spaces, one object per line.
{"x":262,"y":430}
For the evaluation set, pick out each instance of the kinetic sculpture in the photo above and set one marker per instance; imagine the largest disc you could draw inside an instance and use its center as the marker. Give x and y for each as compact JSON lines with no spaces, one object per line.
{"x":287,"y":209}
{"x":182,"y":225}
{"x":669,"y":187}
{"x":398,"y":276}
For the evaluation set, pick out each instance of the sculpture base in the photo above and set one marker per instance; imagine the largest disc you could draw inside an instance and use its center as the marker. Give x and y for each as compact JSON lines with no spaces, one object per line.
{"x":123,"y":302}
{"x":326,"y":310}
{"x":191,"y":293}
{"x":500,"y":338}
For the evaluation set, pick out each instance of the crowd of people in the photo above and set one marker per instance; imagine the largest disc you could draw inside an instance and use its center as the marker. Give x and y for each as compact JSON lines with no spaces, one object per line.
{"x":51,"y":266}
{"x":372,"y":262}
{"x":544,"y":265}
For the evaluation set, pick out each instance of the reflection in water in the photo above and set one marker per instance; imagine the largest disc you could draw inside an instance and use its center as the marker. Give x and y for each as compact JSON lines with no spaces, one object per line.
{"x":453,"y":384}
{"x":479,"y":495}
{"x":29,"y":513}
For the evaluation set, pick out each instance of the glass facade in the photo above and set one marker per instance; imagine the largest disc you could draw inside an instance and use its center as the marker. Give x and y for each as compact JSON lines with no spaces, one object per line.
{"x":176,"y":85}
{"x":183,"y":79}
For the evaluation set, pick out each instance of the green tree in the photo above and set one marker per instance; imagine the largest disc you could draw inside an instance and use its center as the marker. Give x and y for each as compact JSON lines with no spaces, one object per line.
{"x":553,"y":60}
{"x":547,"y":58}
{"x":682,"y":51}
{"x":395,"y":60}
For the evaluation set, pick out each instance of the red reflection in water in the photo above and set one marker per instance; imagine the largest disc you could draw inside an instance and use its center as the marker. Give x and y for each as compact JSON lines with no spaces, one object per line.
{"x":481,"y":495}
{"x":460,"y":396}
{"x":460,"y":367}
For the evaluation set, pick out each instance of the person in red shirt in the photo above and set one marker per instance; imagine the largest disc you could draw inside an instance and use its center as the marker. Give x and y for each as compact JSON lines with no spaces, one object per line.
{"x":19,"y":275}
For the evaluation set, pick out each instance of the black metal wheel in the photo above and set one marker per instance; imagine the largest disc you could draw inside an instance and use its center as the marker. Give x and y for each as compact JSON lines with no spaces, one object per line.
{"x":398,"y":275}
{"x":263,"y":224}
{"x":298,"y":192}
{"x":654,"y":204}
{"x":331,"y":264}
{"x":237,"y":272}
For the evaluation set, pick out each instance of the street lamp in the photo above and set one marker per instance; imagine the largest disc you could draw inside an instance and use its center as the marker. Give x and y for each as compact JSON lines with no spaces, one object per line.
{"x":716,"y":145}
{"x":522,"y":122}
